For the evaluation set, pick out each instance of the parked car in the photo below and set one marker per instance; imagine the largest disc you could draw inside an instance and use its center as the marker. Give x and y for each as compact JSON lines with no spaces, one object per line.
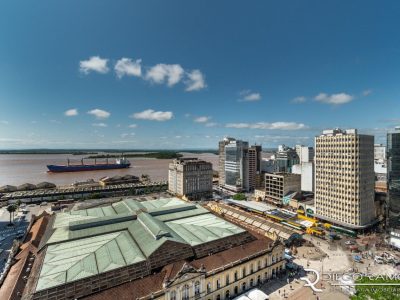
{"x":349,"y":242}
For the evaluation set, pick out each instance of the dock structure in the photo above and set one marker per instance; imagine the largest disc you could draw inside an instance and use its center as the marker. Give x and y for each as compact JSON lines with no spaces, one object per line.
{"x":78,"y":192}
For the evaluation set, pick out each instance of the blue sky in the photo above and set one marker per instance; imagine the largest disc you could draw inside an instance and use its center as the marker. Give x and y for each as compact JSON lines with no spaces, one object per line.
{"x":184,"y":74}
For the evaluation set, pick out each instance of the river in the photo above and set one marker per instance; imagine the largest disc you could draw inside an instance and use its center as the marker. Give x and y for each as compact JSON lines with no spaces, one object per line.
{"x":17,"y":169}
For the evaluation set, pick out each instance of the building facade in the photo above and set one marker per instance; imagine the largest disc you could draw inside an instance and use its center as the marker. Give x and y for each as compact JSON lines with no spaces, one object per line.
{"x":285,"y":159}
{"x":254,"y":159}
{"x":306,"y":170}
{"x":344,"y":178}
{"x":278,"y":185}
{"x":393,"y":178}
{"x":190,"y":178}
{"x":379,"y":153}
{"x":237,"y":166}
{"x":221,"y":159}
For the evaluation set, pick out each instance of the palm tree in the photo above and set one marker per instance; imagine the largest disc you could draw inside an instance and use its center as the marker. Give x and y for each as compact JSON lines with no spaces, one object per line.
{"x":11,"y":209}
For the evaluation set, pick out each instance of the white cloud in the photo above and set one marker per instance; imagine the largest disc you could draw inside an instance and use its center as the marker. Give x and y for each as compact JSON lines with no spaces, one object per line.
{"x":203,"y":119}
{"x":161,"y":73}
{"x":335,"y":99}
{"x":99,"y":124}
{"x":195,"y":81}
{"x":249,"y":96}
{"x":211,"y":124}
{"x":124,"y":135}
{"x":271,"y":126}
{"x":127,"y":67}
{"x":99,"y":113}
{"x":71,"y":112}
{"x":366,"y":92}
{"x":4,"y":122}
{"x":300,"y":99}
{"x":132,"y":126}
{"x":95,"y":64}
{"x":150,"y":114}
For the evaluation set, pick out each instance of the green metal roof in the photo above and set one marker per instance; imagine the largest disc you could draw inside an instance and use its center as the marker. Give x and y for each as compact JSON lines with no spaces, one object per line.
{"x":203,"y":228}
{"x":95,"y":240}
{"x":82,"y":258}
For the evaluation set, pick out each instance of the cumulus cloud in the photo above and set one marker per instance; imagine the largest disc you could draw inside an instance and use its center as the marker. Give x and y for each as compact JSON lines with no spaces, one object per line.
{"x":300,"y":99}
{"x":99,"y":124}
{"x":249,"y":96}
{"x":164,"y":73}
{"x":195,"y":81}
{"x":271,"y":126}
{"x":99,"y":113}
{"x":94,"y":64}
{"x":128,"y":67}
{"x":132,"y":126}
{"x":152,"y":115}
{"x":335,"y":99}
{"x":203,"y":119}
{"x":71,"y":112}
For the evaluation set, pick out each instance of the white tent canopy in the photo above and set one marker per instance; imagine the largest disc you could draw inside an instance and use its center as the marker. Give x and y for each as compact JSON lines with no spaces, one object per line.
{"x":253,"y":294}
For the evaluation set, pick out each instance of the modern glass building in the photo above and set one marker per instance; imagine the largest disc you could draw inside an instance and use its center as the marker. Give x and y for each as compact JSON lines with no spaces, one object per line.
{"x":393,"y":178}
{"x":236,"y":174}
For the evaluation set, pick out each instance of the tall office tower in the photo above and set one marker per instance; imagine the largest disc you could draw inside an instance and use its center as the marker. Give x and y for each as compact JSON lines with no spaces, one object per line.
{"x":191,"y":178}
{"x":393,"y":178}
{"x":221,"y":161}
{"x":236,"y":166}
{"x":285,"y":158}
{"x":344,"y":178}
{"x":254,"y":159}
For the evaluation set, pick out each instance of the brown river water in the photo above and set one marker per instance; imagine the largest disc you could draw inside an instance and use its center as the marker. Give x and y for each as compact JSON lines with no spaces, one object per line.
{"x":17,"y":169}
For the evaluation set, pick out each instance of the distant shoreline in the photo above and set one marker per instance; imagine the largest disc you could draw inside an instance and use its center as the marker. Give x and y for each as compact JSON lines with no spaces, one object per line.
{"x":101,"y":151}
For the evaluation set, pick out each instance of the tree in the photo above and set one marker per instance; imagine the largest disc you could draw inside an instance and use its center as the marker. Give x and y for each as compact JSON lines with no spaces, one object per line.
{"x":239,"y":196}
{"x":11,"y":209}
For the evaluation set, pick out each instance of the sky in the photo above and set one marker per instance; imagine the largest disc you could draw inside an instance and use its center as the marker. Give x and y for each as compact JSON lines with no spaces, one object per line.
{"x":184,"y":74}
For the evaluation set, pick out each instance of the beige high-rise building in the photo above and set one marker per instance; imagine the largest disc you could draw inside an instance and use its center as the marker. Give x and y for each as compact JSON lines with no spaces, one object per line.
{"x":344,"y":178}
{"x":190,"y":178}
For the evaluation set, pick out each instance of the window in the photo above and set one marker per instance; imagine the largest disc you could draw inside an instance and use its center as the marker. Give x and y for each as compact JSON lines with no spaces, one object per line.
{"x":172,"y":295}
{"x":235,"y":276}
{"x":218,"y":283}
{"x":227,"y":295}
{"x":244,"y":272}
{"x":258,"y":279}
{"x":227,"y":279}
{"x":236,"y":290}
{"x":243,"y":286}
{"x":209,"y":287}
{"x":259,"y":265}
{"x":218,"y":297}
{"x":251,"y":268}
{"x":185,"y":292}
{"x":251,"y":282}
{"x":197,"y":289}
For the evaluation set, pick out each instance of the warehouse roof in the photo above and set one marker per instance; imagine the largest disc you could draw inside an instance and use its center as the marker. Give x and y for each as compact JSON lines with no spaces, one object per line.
{"x":87,"y":242}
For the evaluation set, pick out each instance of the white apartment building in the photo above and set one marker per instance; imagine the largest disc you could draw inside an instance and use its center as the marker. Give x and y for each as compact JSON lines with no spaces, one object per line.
{"x":306,"y":170}
{"x":344,"y":178}
{"x":190,"y":178}
{"x":380,"y":153}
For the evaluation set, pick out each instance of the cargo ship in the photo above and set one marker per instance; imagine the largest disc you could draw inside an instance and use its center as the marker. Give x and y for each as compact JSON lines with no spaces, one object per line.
{"x":120,"y":163}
